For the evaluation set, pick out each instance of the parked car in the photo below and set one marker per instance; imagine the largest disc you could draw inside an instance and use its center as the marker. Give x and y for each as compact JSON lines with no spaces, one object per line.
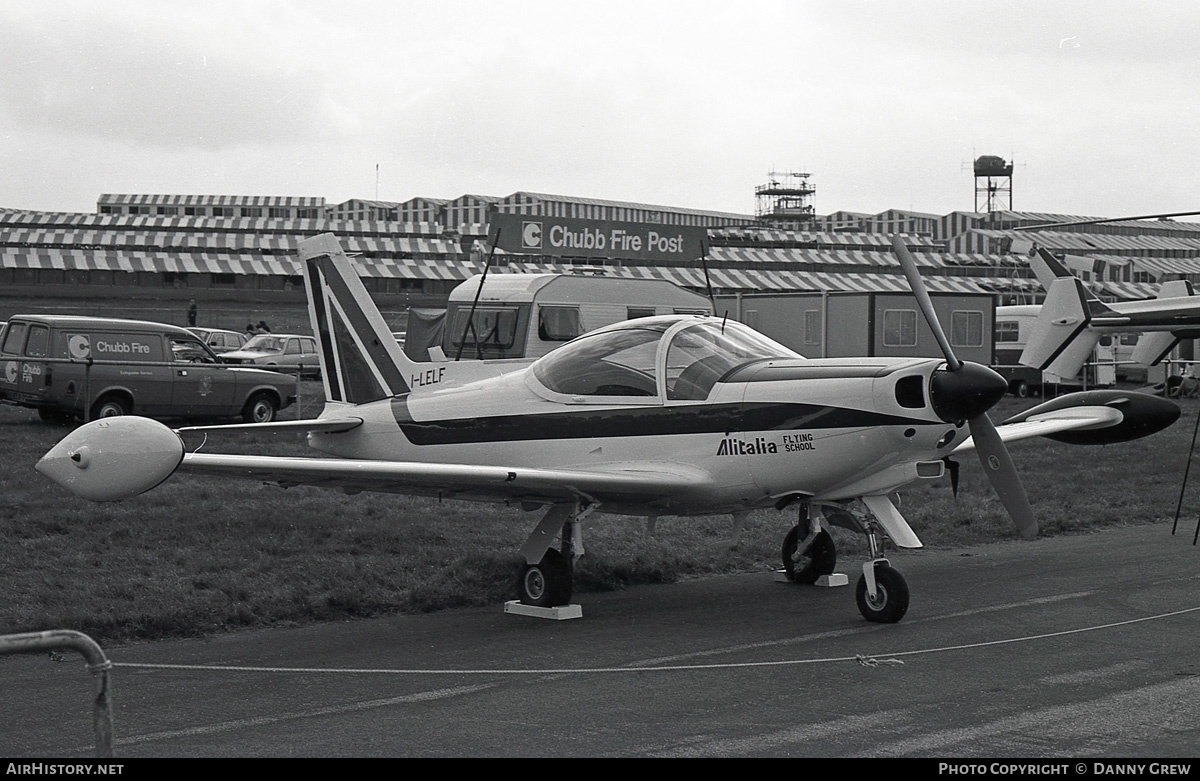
{"x":220,"y":340}
{"x":293,"y":352}
{"x":73,"y":367}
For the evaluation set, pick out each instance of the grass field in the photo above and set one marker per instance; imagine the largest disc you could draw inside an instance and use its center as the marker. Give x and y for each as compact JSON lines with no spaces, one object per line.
{"x":199,"y":555}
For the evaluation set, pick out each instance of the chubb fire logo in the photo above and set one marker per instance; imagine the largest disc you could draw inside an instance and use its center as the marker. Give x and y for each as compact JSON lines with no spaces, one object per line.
{"x":79,"y":346}
{"x":739,"y":447}
{"x":531,"y":235}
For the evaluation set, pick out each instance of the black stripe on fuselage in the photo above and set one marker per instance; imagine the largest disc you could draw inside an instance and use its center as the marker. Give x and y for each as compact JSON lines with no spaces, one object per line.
{"x":640,"y":422}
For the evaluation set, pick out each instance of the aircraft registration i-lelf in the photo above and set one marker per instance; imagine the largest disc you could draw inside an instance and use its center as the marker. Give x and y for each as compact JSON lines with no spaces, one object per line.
{"x":671,"y":415}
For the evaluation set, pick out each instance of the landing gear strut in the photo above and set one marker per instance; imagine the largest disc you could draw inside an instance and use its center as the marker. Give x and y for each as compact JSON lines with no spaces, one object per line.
{"x":881,"y":594}
{"x":546,"y":578}
{"x":808,"y":550}
{"x":547,"y":583}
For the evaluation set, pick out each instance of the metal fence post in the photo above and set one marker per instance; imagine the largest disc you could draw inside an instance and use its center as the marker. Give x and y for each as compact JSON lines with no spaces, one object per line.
{"x":98,"y":666}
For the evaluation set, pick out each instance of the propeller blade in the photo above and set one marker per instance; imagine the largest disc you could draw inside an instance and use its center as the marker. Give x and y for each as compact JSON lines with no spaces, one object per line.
{"x":1001,"y":473}
{"x":909,"y":265}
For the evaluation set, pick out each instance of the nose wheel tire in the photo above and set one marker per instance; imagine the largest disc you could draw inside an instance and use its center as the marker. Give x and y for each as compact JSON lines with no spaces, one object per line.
{"x":547,"y":583}
{"x":818,"y":560}
{"x":891,"y":596}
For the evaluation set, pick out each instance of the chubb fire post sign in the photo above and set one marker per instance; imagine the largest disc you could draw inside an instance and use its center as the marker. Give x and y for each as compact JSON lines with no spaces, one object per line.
{"x":565,"y":236}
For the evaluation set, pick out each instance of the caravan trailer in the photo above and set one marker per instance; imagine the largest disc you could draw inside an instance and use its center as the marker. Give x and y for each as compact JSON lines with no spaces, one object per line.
{"x":528,"y":315}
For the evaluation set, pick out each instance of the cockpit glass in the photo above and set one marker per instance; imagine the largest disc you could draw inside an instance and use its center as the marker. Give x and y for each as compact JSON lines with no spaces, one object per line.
{"x":623,"y":361}
{"x":702,"y":353}
{"x":609,"y":363}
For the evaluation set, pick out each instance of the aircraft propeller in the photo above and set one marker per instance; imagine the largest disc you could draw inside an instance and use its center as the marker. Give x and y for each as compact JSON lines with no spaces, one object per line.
{"x":966,"y":391}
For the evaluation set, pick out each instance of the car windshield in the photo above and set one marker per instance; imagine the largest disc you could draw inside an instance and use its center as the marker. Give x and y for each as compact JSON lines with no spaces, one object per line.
{"x":265,"y":343}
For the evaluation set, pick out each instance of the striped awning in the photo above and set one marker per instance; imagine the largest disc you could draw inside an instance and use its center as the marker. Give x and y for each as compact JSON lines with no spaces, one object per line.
{"x":1160,"y":266}
{"x":1129,"y":291}
{"x":741,"y":279}
{"x":222,"y":263}
{"x":839,"y":257}
{"x":178,"y":240}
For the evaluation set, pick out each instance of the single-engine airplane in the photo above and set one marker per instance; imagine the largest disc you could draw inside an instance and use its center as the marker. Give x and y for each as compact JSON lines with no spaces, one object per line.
{"x":670,"y":415}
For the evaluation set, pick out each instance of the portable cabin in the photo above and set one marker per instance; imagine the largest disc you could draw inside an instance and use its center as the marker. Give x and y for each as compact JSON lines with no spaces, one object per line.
{"x":528,"y":315}
{"x":841,"y":324}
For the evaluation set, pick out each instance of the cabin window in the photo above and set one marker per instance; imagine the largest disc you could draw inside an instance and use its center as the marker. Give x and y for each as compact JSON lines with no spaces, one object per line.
{"x":966,"y":328}
{"x":900,"y":328}
{"x":1007,"y":332}
{"x":634,"y":312}
{"x":613,"y":363}
{"x":490,"y":332}
{"x":559,"y":323}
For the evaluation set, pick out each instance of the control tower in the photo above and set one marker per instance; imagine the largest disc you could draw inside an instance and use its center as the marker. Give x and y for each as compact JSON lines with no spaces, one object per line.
{"x":993,"y":182}
{"x":786,"y":201}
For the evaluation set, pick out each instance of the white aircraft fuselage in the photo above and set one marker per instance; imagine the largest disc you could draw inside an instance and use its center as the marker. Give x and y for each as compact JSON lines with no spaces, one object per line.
{"x":773,"y":429}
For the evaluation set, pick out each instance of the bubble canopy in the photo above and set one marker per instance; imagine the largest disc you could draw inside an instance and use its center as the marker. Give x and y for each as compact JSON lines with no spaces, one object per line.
{"x":677,"y":358}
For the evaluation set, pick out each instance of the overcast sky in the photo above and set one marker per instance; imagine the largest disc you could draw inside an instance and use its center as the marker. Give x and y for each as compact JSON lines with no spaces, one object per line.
{"x":687,"y":104}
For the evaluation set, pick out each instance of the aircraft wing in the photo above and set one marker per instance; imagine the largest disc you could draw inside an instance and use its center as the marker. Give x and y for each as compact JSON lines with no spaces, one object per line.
{"x":1099,"y":417}
{"x":115,"y":458}
{"x":637,"y":482}
{"x":1052,"y":423}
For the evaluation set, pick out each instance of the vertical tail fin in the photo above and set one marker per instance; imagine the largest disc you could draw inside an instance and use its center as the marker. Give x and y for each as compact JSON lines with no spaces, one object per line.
{"x":360,"y":359}
{"x":1061,"y":325}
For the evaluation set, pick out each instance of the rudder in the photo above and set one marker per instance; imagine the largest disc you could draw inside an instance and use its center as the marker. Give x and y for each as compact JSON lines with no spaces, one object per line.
{"x":360,"y":359}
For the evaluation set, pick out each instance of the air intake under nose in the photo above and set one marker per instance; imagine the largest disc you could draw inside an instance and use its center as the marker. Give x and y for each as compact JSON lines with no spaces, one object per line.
{"x":965,"y":394}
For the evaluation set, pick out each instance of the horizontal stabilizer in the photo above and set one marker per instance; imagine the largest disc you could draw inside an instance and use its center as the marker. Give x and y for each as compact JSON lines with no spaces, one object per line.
{"x":1063,"y":317}
{"x":1153,"y":346}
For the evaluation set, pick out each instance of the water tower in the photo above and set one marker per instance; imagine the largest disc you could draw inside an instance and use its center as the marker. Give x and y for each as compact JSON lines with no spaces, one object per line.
{"x":993,"y":181}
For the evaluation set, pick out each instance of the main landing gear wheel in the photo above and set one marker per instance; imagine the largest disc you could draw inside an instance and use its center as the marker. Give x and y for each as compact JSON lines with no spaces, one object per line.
{"x":547,"y":583}
{"x":891,"y":596}
{"x":818,"y":560}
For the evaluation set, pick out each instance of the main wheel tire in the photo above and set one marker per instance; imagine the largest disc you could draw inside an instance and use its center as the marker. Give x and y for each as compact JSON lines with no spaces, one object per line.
{"x":891,"y":596}
{"x":260,"y":408}
{"x":110,"y":407}
{"x":547,"y":583}
{"x":819,"y":560}
{"x":1021,"y":389}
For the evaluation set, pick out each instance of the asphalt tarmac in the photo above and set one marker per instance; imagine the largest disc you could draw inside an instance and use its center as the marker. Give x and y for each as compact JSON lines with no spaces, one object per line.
{"x":1071,"y":647}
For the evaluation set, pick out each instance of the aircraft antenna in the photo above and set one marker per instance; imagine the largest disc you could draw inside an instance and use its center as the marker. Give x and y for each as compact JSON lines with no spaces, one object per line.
{"x":471,"y":315}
